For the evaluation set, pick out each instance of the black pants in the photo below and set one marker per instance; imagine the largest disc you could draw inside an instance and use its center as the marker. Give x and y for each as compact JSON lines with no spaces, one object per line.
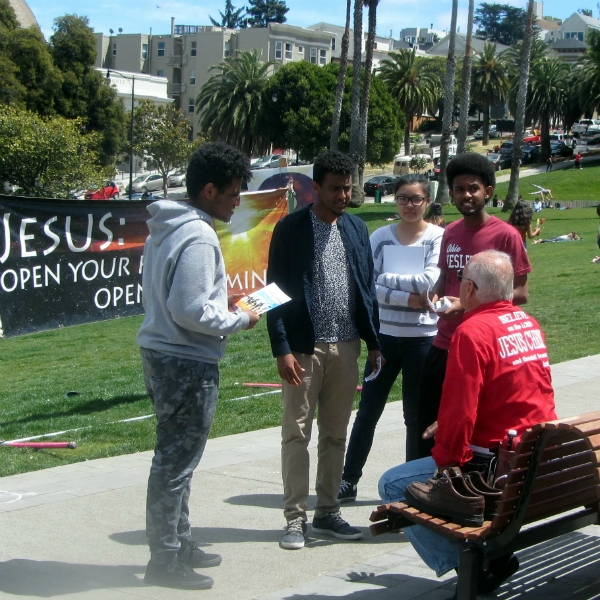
{"x":401,"y":354}
{"x":430,"y":394}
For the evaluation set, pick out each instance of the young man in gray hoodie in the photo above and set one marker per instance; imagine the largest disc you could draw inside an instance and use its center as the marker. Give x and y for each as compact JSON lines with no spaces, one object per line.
{"x":181,"y":340}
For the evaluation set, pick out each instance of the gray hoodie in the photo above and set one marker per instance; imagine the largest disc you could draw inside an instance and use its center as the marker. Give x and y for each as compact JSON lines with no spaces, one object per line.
{"x":184,"y":285}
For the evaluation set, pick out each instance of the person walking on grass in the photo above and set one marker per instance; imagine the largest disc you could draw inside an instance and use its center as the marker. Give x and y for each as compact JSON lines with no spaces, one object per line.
{"x":182,"y":339}
{"x":406,"y":327}
{"x":321,"y":258}
{"x":577,"y":163}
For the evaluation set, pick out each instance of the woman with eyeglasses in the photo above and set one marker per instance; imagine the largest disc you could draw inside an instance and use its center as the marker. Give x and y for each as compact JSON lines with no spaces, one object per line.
{"x":407,"y":328}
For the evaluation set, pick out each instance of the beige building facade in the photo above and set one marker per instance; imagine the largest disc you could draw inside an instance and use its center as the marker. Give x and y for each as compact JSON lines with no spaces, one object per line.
{"x":185,"y":56}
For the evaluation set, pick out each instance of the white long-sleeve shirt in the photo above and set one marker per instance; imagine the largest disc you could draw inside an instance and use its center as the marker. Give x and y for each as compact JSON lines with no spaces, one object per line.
{"x":393,"y":289}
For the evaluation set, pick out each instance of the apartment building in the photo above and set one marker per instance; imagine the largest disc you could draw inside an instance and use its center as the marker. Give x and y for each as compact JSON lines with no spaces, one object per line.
{"x":381,"y":46}
{"x":185,"y":56}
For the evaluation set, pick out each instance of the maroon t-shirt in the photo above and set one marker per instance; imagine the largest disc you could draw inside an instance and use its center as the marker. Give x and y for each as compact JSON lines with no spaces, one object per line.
{"x":459,"y":244}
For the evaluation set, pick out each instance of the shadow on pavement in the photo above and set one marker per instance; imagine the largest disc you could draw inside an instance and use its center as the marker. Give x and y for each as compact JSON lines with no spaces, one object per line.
{"x":276,"y":501}
{"x":45,"y":579}
{"x":207,"y":536}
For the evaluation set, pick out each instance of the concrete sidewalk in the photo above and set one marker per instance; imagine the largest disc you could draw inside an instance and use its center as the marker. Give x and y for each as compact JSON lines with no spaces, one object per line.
{"x":78,"y":531}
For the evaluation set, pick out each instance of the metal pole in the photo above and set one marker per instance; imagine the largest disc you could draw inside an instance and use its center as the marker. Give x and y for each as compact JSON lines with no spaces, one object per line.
{"x":131,"y":140}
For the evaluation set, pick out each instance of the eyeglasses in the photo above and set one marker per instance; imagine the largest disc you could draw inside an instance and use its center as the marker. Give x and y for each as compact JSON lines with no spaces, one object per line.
{"x":416,"y":200}
{"x":459,"y":276}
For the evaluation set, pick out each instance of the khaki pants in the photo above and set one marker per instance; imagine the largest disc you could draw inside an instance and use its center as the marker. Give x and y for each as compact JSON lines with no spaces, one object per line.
{"x":329,"y":381}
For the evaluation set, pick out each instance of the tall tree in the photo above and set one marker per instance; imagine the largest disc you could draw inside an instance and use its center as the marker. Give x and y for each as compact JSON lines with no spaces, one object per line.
{"x":414,"y":84}
{"x":465,"y":97}
{"x":501,"y":23}
{"x":47,"y":157}
{"x":513,"y":185}
{"x":588,"y":77}
{"x":28,"y":51}
{"x":85,"y":93}
{"x":229,"y":103}
{"x":354,"y":149}
{"x":8,"y":18}
{"x":263,"y":12}
{"x":232,"y":18}
{"x":366,"y":88}
{"x":490,"y":83}
{"x":162,"y":134}
{"x":547,"y":95}
{"x":341,"y":82}
{"x":301,"y":116}
{"x":442,"y":194}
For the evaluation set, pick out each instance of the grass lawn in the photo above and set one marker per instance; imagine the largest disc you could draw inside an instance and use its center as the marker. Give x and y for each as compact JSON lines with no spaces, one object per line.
{"x":566,"y":184}
{"x":101,"y":360}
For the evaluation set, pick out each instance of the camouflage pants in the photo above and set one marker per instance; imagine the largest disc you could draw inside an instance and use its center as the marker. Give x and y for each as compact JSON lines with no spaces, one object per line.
{"x":184,"y":393}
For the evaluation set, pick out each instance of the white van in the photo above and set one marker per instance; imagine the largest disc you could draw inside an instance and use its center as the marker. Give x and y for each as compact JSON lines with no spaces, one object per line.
{"x":402,"y":165}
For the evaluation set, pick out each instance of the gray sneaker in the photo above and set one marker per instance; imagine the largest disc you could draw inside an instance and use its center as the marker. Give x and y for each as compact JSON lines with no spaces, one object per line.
{"x":293,"y":538}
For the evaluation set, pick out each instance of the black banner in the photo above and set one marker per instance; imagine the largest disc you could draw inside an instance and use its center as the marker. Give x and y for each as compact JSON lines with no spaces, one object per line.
{"x":67,"y":262}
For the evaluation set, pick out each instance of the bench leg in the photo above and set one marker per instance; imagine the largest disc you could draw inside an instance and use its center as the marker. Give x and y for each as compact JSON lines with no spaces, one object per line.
{"x":468,"y":569}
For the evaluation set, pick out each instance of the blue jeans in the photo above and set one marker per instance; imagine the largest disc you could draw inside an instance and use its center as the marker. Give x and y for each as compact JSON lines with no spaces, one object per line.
{"x":401,"y":354}
{"x":440,"y":553}
{"x":184,"y":393}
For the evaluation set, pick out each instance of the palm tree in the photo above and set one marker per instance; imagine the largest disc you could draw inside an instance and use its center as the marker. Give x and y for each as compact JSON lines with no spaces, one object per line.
{"x":525,"y":58}
{"x":489,"y":83}
{"x":587,"y":79}
{"x":548,"y":80}
{"x":413,"y":84}
{"x":366,"y":91}
{"x":463,"y":120}
{"x":442,"y":195}
{"x":229,"y":102}
{"x":341,"y":83}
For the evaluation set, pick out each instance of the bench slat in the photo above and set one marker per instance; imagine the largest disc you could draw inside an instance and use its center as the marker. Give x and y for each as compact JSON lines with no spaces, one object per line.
{"x":520,"y":461}
{"x":551,"y":483}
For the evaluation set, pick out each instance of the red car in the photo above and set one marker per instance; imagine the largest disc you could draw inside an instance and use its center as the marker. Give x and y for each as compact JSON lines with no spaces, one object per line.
{"x":109,"y":192}
{"x":532,"y":139}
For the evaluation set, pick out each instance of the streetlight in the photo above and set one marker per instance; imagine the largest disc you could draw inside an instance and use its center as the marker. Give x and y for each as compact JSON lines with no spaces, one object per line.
{"x":131,"y":128}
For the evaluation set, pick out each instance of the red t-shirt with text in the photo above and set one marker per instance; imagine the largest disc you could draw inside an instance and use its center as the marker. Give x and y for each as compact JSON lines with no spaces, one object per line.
{"x":459,"y":244}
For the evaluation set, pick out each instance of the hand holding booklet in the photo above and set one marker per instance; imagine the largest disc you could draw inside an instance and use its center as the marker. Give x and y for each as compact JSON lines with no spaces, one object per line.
{"x":264,"y":299}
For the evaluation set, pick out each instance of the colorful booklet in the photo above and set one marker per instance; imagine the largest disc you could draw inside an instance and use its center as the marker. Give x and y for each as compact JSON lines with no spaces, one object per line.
{"x":263,"y":300}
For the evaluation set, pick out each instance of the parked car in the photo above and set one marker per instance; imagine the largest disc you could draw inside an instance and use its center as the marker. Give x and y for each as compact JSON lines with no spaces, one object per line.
{"x":531,"y":154}
{"x":500,"y":161}
{"x":585,"y":124}
{"x":385,"y":183}
{"x":176,"y":179}
{"x":560,"y":149}
{"x":109,"y":191}
{"x":494,"y":133}
{"x":532,"y":138}
{"x":265,"y":162}
{"x":506,"y":148}
{"x":146,"y":183}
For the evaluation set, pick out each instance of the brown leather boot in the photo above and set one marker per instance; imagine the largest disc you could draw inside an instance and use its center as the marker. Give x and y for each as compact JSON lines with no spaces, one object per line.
{"x":490,"y":494}
{"x":439,"y":497}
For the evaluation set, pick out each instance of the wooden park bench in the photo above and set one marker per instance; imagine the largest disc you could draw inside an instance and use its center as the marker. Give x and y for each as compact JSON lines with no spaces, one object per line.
{"x":555,"y":470}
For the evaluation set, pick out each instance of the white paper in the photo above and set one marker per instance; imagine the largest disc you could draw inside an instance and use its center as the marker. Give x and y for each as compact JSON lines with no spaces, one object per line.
{"x":264,"y":299}
{"x":376,"y":372}
{"x":404,"y":260}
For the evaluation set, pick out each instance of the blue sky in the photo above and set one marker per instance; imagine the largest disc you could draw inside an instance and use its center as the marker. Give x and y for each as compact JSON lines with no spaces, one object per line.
{"x":138,"y":16}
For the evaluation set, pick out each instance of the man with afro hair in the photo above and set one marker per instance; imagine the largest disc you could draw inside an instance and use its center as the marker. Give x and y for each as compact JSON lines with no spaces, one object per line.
{"x":471,"y":180}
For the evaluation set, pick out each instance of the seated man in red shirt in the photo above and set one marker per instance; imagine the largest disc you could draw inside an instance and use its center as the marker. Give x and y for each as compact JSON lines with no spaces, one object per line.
{"x":497,"y":378}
